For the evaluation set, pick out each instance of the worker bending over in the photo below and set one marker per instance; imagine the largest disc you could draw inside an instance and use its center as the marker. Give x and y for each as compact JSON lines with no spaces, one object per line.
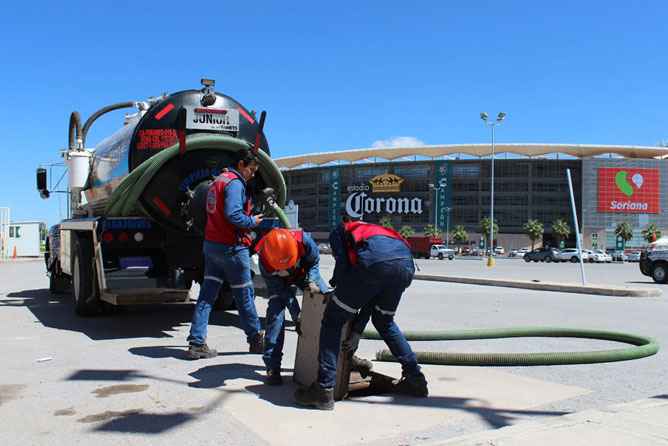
{"x":287,"y":258}
{"x":374,"y":265}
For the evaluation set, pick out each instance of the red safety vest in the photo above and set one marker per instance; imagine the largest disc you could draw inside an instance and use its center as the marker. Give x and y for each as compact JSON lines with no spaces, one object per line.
{"x":218,"y":228}
{"x":361,"y":230}
{"x":290,"y":274}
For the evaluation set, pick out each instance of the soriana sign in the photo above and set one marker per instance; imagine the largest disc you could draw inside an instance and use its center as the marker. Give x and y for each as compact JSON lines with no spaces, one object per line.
{"x":628,"y":190}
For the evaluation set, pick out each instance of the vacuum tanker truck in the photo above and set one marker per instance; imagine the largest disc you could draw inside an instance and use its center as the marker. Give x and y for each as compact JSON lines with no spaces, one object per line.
{"x":135,"y":225}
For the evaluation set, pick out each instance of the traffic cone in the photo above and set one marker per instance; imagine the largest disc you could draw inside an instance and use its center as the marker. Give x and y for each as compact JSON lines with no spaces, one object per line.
{"x":15,"y":256}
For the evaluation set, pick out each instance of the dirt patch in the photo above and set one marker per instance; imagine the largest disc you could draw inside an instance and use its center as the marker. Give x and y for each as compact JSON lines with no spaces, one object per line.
{"x":104,"y":392}
{"x":10,"y":392}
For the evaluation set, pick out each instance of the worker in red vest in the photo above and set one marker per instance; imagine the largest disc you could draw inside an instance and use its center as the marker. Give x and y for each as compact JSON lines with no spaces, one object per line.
{"x":226,"y":244}
{"x":287,"y":258}
{"x":374,"y":265}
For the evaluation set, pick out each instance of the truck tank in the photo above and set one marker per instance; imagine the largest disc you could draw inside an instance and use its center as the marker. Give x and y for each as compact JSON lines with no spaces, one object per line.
{"x":171,"y":192}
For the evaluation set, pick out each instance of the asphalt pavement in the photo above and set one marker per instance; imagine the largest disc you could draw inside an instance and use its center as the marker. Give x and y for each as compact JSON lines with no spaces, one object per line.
{"x":125,"y":378}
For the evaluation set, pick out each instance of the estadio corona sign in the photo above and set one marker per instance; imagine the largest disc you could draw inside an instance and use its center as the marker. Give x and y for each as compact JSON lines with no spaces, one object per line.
{"x":628,"y":190}
{"x":359,"y":202}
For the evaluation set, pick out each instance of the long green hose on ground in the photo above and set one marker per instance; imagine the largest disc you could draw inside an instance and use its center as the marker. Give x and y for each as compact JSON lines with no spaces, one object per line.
{"x":644,"y":346}
{"x":125,"y":196}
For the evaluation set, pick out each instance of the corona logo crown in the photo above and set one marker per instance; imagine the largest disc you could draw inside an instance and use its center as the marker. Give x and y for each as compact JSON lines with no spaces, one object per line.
{"x":387,"y":182}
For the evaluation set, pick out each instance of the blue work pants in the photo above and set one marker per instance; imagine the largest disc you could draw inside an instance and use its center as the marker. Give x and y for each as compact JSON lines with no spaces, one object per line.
{"x":383,"y":283}
{"x":229,"y":263}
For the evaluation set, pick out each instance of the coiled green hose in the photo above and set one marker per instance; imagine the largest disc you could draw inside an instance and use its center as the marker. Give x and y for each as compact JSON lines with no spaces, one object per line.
{"x":644,"y":346}
{"x":125,"y":196}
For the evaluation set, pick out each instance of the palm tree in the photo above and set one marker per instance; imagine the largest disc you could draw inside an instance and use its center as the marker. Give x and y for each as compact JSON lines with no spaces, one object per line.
{"x":534,"y":230}
{"x":483,"y":228}
{"x":406,"y":231}
{"x":386,"y":222}
{"x":432,"y":231}
{"x":624,"y":231}
{"x":650,"y":233}
{"x":560,"y":230}
{"x":459,"y":235}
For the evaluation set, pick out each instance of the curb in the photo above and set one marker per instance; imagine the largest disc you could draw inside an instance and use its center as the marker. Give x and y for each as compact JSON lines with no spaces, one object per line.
{"x":547,"y":286}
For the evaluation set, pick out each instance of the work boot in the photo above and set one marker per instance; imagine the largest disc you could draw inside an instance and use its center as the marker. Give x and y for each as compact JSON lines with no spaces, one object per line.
{"x":257,"y":343}
{"x":362,"y":366}
{"x":201,"y":351}
{"x":316,"y":396}
{"x":415,"y":385}
{"x":274,"y":377}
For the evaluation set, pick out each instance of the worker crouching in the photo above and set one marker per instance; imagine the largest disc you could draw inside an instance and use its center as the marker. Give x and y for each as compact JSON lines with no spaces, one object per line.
{"x":287,"y":258}
{"x":374,"y":265}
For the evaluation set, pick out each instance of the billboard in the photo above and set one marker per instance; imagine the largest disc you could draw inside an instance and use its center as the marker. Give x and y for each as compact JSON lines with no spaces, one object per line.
{"x":628,"y":190}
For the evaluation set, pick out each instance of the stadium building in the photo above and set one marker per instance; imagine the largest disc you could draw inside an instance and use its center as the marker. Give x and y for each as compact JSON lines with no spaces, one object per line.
{"x":449,"y":185}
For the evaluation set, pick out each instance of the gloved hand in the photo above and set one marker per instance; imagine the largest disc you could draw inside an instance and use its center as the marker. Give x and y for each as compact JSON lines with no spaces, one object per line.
{"x":350,"y":344}
{"x":313,"y":287}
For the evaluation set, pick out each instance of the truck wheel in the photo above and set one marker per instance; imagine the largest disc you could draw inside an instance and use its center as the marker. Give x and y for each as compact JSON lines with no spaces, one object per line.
{"x":440,"y":256}
{"x":225,"y":299}
{"x":660,"y":273}
{"x":84,"y":287}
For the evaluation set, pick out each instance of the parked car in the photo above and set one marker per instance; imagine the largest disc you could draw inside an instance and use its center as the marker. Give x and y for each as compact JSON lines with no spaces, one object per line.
{"x":634,"y":256}
{"x":572,"y":255}
{"x":543,"y":254}
{"x":607,"y":256}
{"x":499,"y":250}
{"x":595,"y":256}
{"x":619,"y":256}
{"x":441,"y":252}
{"x":512,"y":252}
{"x":654,"y":264}
{"x":465,"y":251}
{"x":324,"y":248}
{"x":522,"y":251}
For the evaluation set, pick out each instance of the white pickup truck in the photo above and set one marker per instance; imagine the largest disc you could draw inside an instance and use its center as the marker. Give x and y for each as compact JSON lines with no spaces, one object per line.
{"x":441,"y":252}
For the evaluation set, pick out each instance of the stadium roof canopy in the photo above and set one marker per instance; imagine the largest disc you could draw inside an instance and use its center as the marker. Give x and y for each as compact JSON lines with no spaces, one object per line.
{"x":475,"y":150}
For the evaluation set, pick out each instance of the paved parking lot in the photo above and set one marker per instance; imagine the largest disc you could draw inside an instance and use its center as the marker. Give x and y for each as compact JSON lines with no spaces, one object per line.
{"x":125,"y":378}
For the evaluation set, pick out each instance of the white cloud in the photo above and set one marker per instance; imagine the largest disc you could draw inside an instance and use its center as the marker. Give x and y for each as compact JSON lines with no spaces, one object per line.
{"x":398,"y":141}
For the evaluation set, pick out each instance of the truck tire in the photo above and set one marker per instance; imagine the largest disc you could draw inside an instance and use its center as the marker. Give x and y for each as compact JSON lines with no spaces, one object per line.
{"x":84,"y":281}
{"x":440,"y":256}
{"x":660,"y":273}
{"x":225,"y":299}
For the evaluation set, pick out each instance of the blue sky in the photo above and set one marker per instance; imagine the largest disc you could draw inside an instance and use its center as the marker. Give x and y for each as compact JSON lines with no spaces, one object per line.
{"x":334,"y":75}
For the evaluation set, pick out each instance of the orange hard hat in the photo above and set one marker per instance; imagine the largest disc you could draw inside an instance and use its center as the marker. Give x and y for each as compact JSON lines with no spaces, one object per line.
{"x":280,"y":249}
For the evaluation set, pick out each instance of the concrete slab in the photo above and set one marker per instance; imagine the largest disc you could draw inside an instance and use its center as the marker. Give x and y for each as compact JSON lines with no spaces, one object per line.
{"x":643,"y":422}
{"x":456,"y":394}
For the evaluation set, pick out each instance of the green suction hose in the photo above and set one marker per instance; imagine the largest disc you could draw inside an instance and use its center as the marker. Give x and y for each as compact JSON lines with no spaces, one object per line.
{"x":125,"y":196}
{"x":645,"y":346}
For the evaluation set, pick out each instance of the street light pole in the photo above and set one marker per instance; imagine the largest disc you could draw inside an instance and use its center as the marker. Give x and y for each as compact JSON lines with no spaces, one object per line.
{"x":499,"y":118}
